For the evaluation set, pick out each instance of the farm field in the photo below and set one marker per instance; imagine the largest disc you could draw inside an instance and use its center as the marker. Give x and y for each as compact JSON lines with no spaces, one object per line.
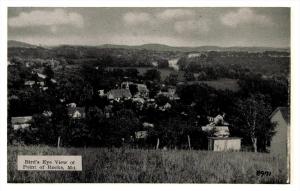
{"x":220,"y":84}
{"x":164,"y":72}
{"x":120,"y":165}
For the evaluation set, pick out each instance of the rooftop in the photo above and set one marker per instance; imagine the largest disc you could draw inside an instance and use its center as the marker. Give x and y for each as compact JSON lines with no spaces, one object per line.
{"x":120,"y":93}
{"x":21,"y":120}
{"x":285,"y":112}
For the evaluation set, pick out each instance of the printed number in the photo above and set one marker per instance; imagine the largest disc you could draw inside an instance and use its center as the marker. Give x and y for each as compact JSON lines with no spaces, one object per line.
{"x":263,"y":173}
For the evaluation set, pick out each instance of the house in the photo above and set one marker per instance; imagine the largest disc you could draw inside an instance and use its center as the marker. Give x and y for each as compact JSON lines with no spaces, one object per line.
{"x":21,"y":122}
{"x":169,"y":93}
{"x":44,"y":88}
{"x":279,"y":144}
{"x":101,"y":93}
{"x":138,"y":100}
{"x":117,"y":94}
{"x":142,"y":91}
{"x":148,"y":125}
{"x":53,"y":81}
{"x":47,"y":113}
{"x":41,"y":84}
{"x":13,"y":97}
{"x":29,"y":64}
{"x":10,"y":63}
{"x":76,"y":112}
{"x":224,"y":143}
{"x":165,"y":107}
{"x":52,"y":63}
{"x":154,"y":63}
{"x":141,"y":134}
{"x":42,"y":76}
{"x":108,"y":111}
{"x":73,"y":105}
{"x":125,"y":85}
{"x":29,"y":83}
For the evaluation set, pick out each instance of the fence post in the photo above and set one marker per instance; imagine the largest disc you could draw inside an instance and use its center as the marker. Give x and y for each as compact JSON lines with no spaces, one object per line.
{"x":157,"y":145}
{"x":58,"y":142}
{"x":189,"y":141}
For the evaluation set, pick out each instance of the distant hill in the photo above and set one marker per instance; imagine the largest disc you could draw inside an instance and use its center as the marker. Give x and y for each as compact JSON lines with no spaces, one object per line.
{"x":159,"y":47}
{"x":18,"y":44}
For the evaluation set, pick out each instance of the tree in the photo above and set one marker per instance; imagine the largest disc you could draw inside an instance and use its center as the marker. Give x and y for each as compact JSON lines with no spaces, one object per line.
{"x":94,"y":121}
{"x":49,"y":72}
{"x":46,"y":131}
{"x":172,"y":79}
{"x":253,"y":119}
{"x":78,"y":133}
{"x":162,"y":100}
{"x":202,"y":76}
{"x":132,"y":73}
{"x":133,"y":89}
{"x":163,"y":63}
{"x":189,"y":76}
{"x":153,"y":75}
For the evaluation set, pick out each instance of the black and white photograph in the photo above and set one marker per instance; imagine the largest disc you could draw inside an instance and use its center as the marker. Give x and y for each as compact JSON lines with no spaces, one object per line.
{"x":149,"y":95}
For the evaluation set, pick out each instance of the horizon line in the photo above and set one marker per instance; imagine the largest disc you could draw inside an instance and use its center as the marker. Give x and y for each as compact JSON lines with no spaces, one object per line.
{"x":153,"y":43}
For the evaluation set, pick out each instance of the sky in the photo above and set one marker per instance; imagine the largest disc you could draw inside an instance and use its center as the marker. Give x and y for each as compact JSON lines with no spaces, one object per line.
{"x":234,"y":26}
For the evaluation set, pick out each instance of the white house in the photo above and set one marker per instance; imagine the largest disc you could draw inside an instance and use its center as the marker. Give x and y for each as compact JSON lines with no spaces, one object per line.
{"x":29,"y":83}
{"x":117,"y":94}
{"x":148,"y":125}
{"x":42,"y":76}
{"x":101,"y":93}
{"x":141,"y":134}
{"x":279,"y":143}
{"x":21,"y":122}
{"x":76,"y":113}
{"x":73,"y":105}
{"x":142,"y":91}
{"x":224,"y":143}
{"x":47,"y":113}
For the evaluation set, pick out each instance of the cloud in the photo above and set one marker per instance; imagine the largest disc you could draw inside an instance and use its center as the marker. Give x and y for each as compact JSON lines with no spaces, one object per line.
{"x":182,"y":20}
{"x":245,"y":16}
{"x":170,"y":14}
{"x":52,"y":19}
{"x":136,"y":18}
{"x":188,"y":26}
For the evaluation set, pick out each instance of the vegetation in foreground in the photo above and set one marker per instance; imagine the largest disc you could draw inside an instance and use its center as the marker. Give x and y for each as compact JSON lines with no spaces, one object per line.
{"x":112,"y":165}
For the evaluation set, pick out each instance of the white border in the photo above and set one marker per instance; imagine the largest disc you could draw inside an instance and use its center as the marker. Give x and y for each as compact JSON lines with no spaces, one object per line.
{"x":295,"y":132}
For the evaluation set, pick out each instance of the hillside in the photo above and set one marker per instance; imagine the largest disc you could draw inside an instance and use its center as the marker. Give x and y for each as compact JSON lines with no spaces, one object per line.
{"x":18,"y":44}
{"x":160,"y":47}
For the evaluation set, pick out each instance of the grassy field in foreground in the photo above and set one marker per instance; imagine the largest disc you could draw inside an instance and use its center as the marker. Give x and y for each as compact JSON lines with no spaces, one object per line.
{"x":103,"y":165}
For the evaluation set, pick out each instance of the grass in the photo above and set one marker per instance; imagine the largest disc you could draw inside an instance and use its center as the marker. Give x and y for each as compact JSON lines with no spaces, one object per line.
{"x":221,"y":84}
{"x":104,"y":165}
{"x":164,"y":72}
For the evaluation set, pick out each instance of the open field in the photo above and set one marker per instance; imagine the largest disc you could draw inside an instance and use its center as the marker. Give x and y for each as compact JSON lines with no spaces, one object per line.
{"x":220,"y":84}
{"x":164,"y":72}
{"x":103,"y":165}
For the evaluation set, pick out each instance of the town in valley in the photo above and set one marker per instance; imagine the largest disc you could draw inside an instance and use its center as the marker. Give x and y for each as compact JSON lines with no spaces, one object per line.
{"x":156,"y":95}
